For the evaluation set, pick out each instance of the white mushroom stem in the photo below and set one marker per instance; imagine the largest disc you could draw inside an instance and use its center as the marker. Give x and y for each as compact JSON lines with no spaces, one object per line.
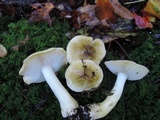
{"x":67,"y":102}
{"x":99,"y":110}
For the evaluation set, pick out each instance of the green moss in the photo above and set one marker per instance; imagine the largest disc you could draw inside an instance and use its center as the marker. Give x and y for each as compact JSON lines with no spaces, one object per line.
{"x":140,"y":99}
{"x":18,"y":100}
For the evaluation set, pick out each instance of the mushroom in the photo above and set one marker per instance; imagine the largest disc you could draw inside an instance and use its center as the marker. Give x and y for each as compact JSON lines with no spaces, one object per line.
{"x":83,"y":75}
{"x":84,"y":47}
{"x":3,"y":51}
{"x":124,"y":70}
{"x":41,"y":66}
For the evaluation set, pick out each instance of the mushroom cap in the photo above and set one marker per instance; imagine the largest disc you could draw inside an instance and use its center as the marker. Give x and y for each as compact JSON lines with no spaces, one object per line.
{"x":3,"y":51}
{"x":83,"y":75}
{"x":33,"y":64}
{"x":84,"y":47}
{"x":133,"y":70}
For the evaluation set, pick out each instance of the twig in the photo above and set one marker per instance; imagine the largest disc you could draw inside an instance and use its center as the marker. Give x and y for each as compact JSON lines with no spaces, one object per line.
{"x":134,"y":2}
{"x":122,"y":49}
{"x":109,"y":46}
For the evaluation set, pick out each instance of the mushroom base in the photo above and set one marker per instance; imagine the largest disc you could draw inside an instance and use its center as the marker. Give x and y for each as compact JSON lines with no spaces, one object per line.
{"x":82,"y":114}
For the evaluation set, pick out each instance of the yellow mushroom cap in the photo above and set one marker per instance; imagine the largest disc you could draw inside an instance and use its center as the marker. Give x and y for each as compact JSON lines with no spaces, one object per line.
{"x":83,"y":75}
{"x":84,"y":47}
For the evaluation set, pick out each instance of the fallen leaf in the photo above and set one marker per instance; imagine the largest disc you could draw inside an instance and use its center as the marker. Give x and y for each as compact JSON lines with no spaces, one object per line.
{"x":142,"y":22}
{"x":74,"y":20}
{"x":153,"y":8}
{"x":121,"y":11}
{"x":105,"y":10}
{"x":88,"y":17}
{"x":41,"y":12}
{"x":111,"y":36}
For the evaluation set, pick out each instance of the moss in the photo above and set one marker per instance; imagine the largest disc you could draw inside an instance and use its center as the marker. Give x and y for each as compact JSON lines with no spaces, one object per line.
{"x":18,"y":100}
{"x":140,"y":100}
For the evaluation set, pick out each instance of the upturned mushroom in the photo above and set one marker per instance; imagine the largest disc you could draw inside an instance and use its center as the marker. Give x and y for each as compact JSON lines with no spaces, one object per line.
{"x":41,"y":66}
{"x":83,"y":75}
{"x":84,"y":47}
{"x":124,"y":70}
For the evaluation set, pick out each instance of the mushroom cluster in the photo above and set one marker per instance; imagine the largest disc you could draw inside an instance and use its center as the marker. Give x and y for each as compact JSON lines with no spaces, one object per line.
{"x":125,"y":70}
{"x":84,"y":55}
{"x":83,"y":73}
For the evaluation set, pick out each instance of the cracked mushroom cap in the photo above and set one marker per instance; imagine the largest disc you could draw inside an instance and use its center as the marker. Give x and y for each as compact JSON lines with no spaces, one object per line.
{"x":83,"y":75}
{"x":133,"y":70}
{"x":84,"y":47}
{"x":32,"y":65}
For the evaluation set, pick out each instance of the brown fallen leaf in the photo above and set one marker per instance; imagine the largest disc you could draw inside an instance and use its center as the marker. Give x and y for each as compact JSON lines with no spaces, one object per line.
{"x":41,"y":12}
{"x":88,"y":17}
{"x":105,"y":10}
{"x":101,"y":15}
{"x":75,"y":20}
{"x":120,"y":10}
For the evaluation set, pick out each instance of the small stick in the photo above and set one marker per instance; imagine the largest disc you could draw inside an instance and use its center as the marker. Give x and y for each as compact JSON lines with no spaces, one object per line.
{"x":134,"y":2}
{"x":122,"y":49}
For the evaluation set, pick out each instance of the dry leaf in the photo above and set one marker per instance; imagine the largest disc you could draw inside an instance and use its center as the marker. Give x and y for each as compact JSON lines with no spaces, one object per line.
{"x":142,"y":22}
{"x":88,"y":17}
{"x":121,"y":11}
{"x":41,"y":12}
{"x":75,"y":20}
{"x":105,"y":10}
{"x":153,"y":8}
{"x":110,"y":36}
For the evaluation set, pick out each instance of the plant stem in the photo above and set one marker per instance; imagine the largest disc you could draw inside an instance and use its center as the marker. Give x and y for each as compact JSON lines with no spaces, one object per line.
{"x":134,"y":2}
